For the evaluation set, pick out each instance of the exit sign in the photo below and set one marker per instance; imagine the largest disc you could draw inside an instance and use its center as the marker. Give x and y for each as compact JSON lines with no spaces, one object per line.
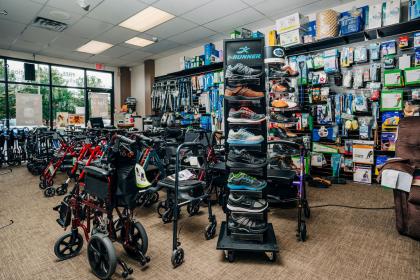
{"x":100,"y":66}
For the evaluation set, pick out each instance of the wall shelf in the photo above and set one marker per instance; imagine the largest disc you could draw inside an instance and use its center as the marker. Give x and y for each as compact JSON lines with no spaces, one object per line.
{"x":370,"y":34}
{"x":192,"y":71}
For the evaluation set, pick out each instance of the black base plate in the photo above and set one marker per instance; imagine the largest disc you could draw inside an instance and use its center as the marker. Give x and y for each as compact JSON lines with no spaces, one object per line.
{"x":226,"y":242}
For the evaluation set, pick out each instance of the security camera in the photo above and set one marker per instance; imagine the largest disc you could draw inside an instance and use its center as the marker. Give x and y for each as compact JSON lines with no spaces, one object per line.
{"x":84,"y":5}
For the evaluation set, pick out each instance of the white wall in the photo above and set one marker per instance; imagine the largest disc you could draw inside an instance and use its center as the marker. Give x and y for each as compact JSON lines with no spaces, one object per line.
{"x":41,"y":58}
{"x":138,"y":88}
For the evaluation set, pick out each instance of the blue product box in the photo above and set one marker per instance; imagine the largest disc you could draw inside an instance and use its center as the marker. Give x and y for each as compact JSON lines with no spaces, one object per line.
{"x":310,"y":29}
{"x":391,"y":118}
{"x":413,"y":9}
{"x":208,"y":51}
{"x":380,"y":160}
{"x":257,"y":34}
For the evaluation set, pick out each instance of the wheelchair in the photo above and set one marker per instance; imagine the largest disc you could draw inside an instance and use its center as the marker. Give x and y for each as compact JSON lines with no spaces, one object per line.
{"x":109,"y":186}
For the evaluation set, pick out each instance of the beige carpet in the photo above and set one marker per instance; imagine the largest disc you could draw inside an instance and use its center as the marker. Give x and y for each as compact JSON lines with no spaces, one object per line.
{"x":342,"y":244}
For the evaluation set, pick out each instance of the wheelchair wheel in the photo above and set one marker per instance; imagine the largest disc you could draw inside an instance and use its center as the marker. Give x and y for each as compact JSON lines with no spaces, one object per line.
{"x":140,"y":200}
{"x":167,"y":216}
{"x":302,"y":232}
{"x":138,"y":243}
{"x":151,"y":199}
{"x":101,"y":256}
{"x":210,"y":231}
{"x":306,"y":209}
{"x":49,"y":192}
{"x":68,"y":246}
{"x":61,"y":190}
{"x":161,"y":208}
{"x":177,"y":257}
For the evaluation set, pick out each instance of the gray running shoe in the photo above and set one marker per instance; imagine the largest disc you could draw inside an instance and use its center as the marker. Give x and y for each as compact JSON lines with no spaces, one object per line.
{"x":243,"y":203}
{"x":244,"y":224}
{"x":241,"y":71}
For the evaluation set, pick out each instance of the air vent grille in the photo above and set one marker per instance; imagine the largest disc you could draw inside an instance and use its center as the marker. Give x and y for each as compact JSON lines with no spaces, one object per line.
{"x":49,"y":24}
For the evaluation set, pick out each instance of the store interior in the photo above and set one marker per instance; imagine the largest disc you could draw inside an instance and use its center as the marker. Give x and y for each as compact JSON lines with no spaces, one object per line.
{"x":209,"y":139}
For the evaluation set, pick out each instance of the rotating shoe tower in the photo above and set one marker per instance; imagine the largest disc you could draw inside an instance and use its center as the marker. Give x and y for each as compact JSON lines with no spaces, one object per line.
{"x":237,"y":54}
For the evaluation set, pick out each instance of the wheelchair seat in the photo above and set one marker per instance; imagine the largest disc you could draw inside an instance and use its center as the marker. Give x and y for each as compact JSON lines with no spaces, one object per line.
{"x":96,"y":171}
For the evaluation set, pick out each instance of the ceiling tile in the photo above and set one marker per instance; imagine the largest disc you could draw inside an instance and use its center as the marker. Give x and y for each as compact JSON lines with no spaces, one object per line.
{"x":73,"y":6}
{"x":147,"y":1}
{"x":21,"y":10}
{"x":252,"y":2}
{"x":48,"y":12}
{"x":116,"y":11}
{"x":214,"y":10}
{"x":100,"y":58}
{"x":116,"y":35}
{"x":25,"y":46}
{"x":278,"y":9}
{"x":9,"y":29}
{"x":35,"y":34}
{"x":234,"y":20}
{"x":160,"y":46}
{"x":171,"y":27}
{"x":68,"y":42}
{"x":88,"y":28}
{"x":135,"y":56}
{"x":253,"y":26}
{"x":117,"y":51}
{"x":179,"y":7}
{"x":192,"y":35}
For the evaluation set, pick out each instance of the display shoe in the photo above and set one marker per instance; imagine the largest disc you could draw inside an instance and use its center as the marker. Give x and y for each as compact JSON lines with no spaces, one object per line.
{"x":289,"y":70}
{"x":244,"y":137}
{"x":242,"y":181}
{"x":242,"y":93}
{"x":282,"y":133}
{"x":279,"y":104}
{"x":284,"y":149}
{"x":244,"y":203}
{"x":285,"y":71}
{"x":241,"y":71}
{"x":282,"y":87}
{"x":242,"y":158}
{"x":279,"y":118}
{"x":243,"y":224}
{"x":244,"y":115}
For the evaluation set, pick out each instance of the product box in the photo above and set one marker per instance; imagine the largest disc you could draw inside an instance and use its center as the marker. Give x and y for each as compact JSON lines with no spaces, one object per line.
{"x":291,"y":22}
{"x":209,"y":51}
{"x":380,"y":160}
{"x":375,"y":16}
{"x":393,"y":78}
{"x":363,"y":151}
{"x":272,"y":38}
{"x":392,"y":13}
{"x":388,"y":140}
{"x":320,"y":148}
{"x":413,"y":9}
{"x":416,"y":40}
{"x":391,"y":119}
{"x":412,"y":76}
{"x":290,"y":38}
{"x":362,"y":174}
{"x":391,"y":100}
{"x":235,"y":34}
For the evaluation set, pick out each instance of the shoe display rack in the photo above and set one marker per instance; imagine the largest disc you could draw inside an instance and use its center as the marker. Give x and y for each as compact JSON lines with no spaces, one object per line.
{"x":246,"y":228}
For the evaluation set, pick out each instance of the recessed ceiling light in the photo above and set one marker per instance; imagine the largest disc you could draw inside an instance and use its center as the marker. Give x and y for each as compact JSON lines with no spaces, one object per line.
{"x":146,"y":19}
{"x":94,"y":47}
{"x":137,"y":41}
{"x":60,"y":15}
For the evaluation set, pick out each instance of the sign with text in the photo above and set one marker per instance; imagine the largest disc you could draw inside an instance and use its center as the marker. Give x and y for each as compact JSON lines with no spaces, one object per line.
{"x":28,"y":109}
{"x":99,"y":105}
{"x":247,"y":51}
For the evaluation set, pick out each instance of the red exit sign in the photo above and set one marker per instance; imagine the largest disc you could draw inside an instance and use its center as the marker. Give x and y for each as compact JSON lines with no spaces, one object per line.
{"x":99,"y":66}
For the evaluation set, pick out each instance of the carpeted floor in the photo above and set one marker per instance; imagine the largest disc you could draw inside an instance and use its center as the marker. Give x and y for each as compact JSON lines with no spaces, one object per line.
{"x":342,"y":244}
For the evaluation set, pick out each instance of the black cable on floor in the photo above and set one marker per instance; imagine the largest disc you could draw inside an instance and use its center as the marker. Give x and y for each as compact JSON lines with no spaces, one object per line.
{"x":353,"y":207}
{"x":9,"y":224}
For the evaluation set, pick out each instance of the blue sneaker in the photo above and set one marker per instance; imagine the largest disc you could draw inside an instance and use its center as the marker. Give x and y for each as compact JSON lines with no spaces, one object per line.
{"x":243,"y":136}
{"x":242,"y":181}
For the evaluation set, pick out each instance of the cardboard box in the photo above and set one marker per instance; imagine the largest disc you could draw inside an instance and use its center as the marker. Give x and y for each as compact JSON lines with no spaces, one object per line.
{"x":290,"y":38}
{"x":413,"y":9}
{"x":291,"y":22}
{"x":272,"y":38}
{"x":375,"y":16}
{"x":362,"y":174}
{"x":392,"y":13}
{"x":363,"y":152}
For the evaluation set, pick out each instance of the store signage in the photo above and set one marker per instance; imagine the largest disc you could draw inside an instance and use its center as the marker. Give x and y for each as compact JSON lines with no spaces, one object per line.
{"x":246,"y":51}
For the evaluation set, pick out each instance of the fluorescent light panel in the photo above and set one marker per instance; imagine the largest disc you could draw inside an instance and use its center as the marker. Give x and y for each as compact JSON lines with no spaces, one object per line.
{"x":140,"y":42}
{"x":94,"y":47}
{"x":146,"y":19}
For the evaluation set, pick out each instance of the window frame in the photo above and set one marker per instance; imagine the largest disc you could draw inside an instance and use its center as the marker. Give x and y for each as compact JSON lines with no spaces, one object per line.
{"x":50,"y":85}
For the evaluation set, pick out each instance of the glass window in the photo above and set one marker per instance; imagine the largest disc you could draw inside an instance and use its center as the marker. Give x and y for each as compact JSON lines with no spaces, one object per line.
{"x":29,"y":105}
{"x":2,"y":106}
{"x":66,"y":76}
{"x":100,"y":106}
{"x":68,"y":107}
{"x":97,"y":79}
{"x":16,"y":72}
{"x":1,"y":69}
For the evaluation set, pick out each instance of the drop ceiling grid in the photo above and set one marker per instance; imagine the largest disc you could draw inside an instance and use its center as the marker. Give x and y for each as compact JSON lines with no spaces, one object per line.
{"x":196,"y":21}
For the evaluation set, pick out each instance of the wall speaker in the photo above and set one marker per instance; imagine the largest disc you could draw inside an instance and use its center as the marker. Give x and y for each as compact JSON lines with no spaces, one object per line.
{"x":29,"y":71}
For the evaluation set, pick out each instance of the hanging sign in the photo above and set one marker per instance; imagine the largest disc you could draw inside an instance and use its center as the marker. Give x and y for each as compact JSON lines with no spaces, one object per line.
{"x":28,"y":109}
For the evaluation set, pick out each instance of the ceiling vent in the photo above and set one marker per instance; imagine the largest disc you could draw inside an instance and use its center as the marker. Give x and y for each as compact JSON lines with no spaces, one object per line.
{"x":49,"y":24}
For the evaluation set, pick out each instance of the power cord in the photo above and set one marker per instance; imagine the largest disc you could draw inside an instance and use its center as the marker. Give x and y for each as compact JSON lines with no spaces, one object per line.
{"x":352,"y":207}
{"x":9,"y":224}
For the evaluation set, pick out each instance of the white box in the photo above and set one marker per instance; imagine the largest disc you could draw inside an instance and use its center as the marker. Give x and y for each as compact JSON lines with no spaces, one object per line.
{"x":291,"y":22}
{"x":363,"y":152}
{"x":375,"y":16}
{"x":362,"y":174}
{"x":290,"y":38}
{"x":392,"y":12}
